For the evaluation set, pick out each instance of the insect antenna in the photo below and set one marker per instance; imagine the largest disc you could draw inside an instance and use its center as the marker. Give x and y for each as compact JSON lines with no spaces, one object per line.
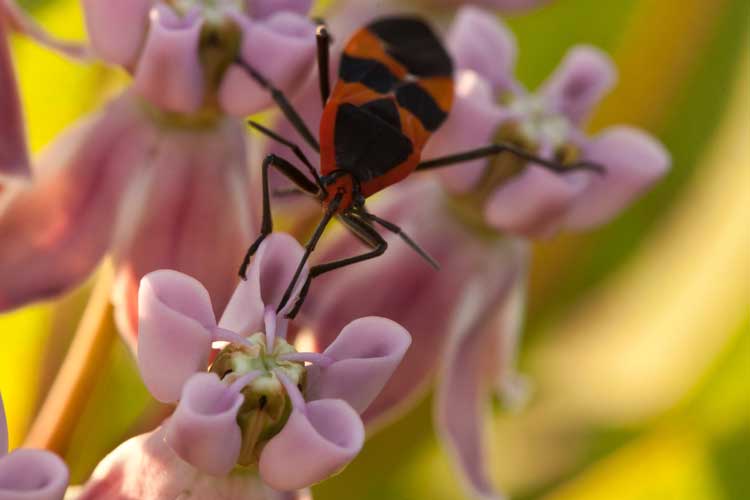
{"x":390,"y":226}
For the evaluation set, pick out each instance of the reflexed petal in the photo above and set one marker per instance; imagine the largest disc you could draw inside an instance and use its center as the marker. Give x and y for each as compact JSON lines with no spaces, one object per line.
{"x":117,"y":29}
{"x":169,"y":72}
{"x":21,"y":22}
{"x":3,"y":429}
{"x":14,"y":155}
{"x":634,"y":161}
{"x":32,"y":475}
{"x":479,"y":41}
{"x":584,"y":76}
{"x":472,"y":123}
{"x":534,"y":203}
{"x":203,"y":430}
{"x":366,"y":353}
{"x":281,"y":48}
{"x":475,"y":363}
{"x":260,"y":9}
{"x":55,"y":230}
{"x":312,"y":446}
{"x":268,"y":277}
{"x":146,"y":467}
{"x":189,"y":213}
{"x":174,"y":331}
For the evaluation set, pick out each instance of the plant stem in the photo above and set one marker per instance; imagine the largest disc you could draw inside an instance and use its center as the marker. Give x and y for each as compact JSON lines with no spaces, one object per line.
{"x":80,"y":370}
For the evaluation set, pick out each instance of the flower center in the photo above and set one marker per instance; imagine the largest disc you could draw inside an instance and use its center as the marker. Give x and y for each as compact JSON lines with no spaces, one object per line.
{"x":538,"y":124}
{"x":213,"y":11}
{"x":267,"y":405}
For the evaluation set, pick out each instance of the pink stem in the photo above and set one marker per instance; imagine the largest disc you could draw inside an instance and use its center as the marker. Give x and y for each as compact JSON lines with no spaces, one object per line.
{"x":315,"y":358}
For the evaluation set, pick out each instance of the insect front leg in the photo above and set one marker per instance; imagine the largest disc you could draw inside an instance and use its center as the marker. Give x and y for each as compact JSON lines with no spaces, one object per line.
{"x":293,"y":174}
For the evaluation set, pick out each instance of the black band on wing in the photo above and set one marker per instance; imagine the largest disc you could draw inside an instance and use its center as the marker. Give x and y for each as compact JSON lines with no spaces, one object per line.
{"x":413,"y":43}
{"x":417,"y":100}
{"x":368,"y":72}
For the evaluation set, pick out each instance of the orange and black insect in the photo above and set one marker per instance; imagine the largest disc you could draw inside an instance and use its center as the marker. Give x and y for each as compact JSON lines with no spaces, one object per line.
{"x":395,"y":89}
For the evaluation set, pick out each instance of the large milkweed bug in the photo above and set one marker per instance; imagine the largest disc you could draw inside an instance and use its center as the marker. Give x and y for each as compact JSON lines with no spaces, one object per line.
{"x":395,"y":89}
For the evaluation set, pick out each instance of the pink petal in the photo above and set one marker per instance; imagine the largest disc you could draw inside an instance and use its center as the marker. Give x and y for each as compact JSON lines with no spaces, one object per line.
{"x":472,"y":123}
{"x":583,"y":77}
{"x":117,"y":30}
{"x":471,"y":367}
{"x":534,"y":203}
{"x":3,"y":429}
{"x":55,"y":230}
{"x":145,"y":467}
{"x":479,"y":41}
{"x":261,"y":9}
{"x":366,"y":353}
{"x":188,"y":212}
{"x":169,"y":73}
{"x":32,"y":475}
{"x":282,"y":49}
{"x":21,"y":22}
{"x":14,"y":155}
{"x":203,"y":430}
{"x":634,"y":162}
{"x":174,"y":332}
{"x":268,"y":277}
{"x":312,"y":446}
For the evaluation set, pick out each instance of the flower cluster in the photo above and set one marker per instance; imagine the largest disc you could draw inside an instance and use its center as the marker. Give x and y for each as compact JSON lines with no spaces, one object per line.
{"x":261,"y":404}
{"x":139,"y":177}
{"x":159,"y":178}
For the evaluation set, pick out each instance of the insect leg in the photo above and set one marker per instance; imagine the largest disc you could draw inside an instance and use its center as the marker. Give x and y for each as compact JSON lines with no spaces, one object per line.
{"x":390,"y":226}
{"x":323,"y":39}
{"x":295,"y":149}
{"x":283,"y":103}
{"x":366,"y":234}
{"x":309,"y":247}
{"x":266,"y":228}
{"x":505,"y":147}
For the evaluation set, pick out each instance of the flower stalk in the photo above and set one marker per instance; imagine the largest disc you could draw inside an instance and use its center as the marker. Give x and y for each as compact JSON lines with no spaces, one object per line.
{"x":82,"y":367}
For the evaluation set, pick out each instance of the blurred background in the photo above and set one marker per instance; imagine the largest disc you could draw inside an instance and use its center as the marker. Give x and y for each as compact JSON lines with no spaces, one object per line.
{"x":637,"y":343}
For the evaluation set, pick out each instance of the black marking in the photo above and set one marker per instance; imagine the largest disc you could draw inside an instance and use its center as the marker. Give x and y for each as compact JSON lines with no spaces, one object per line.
{"x":386,"y":110}
{"x":368,"y":72}
{"x":413,"y":43}
{"x":417,"y":100}
{"x":366,"y":145}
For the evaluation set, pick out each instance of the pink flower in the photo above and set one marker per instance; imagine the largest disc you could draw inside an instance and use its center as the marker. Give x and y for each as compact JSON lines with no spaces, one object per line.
{"x":27,"y":474}
{"x":259,"y":404}
{"x":490,"y":105}
{"x":159,"y":176}
{"x":466,"y":319}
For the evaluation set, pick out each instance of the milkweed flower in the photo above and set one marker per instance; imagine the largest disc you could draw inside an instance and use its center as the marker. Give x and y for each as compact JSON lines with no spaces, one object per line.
{"x":158,"y":176}
{"x":27,"y":474}
{"x":289,"y":418}
{"x":476,"y":221}
{"x":491,"y":104}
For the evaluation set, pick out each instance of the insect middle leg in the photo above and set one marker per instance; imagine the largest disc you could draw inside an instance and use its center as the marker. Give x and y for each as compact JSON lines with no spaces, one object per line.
{"x":506,"y":147}
{"x":293,"y":174}
{"x":364,"y":233}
